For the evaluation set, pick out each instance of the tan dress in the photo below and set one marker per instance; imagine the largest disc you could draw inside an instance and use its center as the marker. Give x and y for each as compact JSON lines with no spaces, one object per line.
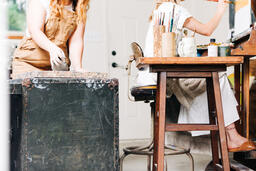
{"x":30,"y":57}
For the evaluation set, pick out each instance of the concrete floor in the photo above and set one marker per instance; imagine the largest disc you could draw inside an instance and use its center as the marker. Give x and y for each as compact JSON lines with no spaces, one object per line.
{"x":175,"y":163}
{"x":200,"y":148}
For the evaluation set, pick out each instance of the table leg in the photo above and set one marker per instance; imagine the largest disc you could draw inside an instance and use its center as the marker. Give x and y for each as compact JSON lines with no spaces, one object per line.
{"x":159,"y":125}
{"x":245,"y":97}
{"x":212,"y":118}
{"x":237,"y":87}
{"x":219,"y":111}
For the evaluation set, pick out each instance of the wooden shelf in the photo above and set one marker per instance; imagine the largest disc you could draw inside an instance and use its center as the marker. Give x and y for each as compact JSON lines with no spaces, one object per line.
{"x":246,"y":48}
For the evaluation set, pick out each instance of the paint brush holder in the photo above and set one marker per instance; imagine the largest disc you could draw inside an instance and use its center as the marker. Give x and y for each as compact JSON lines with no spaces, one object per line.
{"x":168,"y":44}
{"x":158,"y":31}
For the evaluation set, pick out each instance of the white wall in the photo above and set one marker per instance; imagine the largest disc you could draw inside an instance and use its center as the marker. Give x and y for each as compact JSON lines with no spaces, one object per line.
{"x":203,"y":11}
{"x":95,"y":58}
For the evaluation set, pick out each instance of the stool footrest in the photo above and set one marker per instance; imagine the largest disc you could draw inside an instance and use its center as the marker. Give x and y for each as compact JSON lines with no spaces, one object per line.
{"x":190,"y":127}
{"x":218,"y":167}
{"x":148,"y":150}
{"x":189,"y":74}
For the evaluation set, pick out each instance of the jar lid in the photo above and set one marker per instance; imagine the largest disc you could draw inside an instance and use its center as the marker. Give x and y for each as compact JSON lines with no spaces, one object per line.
{"x":212,"y":40}
{"x":227,"y":45}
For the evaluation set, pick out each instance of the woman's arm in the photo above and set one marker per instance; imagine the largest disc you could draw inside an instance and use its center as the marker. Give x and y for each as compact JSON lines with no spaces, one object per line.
{"x":76,"y":47}
{"x":36,"y":20}
{"x":208,"y":28}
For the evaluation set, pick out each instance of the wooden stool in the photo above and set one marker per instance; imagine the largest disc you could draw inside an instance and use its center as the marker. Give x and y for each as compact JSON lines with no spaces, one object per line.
{"x":202,"y":67}
{"x":148,"y":95}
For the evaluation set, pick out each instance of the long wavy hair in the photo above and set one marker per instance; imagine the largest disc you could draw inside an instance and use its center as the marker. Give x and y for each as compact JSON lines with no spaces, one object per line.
{"x":79,"y":6}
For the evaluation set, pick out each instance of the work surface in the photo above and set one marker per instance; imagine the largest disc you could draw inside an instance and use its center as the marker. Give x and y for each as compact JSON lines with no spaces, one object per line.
{"x":63,"y":74}
{"x":230,"y":60}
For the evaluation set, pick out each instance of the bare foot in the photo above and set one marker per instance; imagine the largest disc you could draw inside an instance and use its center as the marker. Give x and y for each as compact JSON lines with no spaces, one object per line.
{"x":234,"y":139}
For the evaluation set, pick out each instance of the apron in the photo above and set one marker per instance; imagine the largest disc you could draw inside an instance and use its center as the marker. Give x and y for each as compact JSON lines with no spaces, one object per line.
{"x":30,"y":57}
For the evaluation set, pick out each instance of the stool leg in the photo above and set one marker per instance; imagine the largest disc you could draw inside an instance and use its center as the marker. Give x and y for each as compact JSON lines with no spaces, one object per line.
{"x":159,"y":125}
{"x":165,"y":161}
{"x":149,"y":163}
{"x":212,"y":116}
{"x":245,"y":97}
{"x":122,"y":161}
{"x":192,"y":161}
{"x":237,"y":88}
{"x":223,"y":140}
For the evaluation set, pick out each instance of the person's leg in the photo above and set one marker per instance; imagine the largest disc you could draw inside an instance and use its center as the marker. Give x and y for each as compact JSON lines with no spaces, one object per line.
{"x":229,"y":103}
{"x":198,"y":113}
{"x":236,"y":142}
{"x":234,"y":139}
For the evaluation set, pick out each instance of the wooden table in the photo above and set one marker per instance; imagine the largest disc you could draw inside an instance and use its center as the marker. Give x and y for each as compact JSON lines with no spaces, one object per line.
{"x":186,"y":67}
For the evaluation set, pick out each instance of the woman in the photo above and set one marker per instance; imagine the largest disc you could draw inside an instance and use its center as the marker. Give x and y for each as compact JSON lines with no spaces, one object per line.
{"x":194,"y":109}
{"x":54,"y":38}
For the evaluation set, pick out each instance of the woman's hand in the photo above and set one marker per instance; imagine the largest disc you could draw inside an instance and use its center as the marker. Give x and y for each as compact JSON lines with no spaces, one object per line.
{"x":207,"y":28}
{"x":57,"y":55}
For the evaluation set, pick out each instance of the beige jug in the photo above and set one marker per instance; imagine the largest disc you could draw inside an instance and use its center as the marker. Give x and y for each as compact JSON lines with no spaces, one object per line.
{"x":187,"y":47}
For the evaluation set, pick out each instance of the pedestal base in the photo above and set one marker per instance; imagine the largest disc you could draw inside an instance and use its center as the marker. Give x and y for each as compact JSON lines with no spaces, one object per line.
{"x":64,"y":124}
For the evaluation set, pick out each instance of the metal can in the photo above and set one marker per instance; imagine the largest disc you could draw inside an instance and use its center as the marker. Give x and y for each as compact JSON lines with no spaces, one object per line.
{"x":224,"y":51}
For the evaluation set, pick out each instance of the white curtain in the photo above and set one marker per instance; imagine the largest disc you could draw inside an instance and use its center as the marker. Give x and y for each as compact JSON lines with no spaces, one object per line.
{"x":4,"y":100}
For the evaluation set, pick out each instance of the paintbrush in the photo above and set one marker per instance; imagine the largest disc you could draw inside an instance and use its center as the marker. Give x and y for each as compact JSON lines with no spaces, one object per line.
{"x":172,"y":18}
{"x":168,"y":27}
{"x":160,"y":18}
{"x":163,"y":19}
{"x":229,"y":2}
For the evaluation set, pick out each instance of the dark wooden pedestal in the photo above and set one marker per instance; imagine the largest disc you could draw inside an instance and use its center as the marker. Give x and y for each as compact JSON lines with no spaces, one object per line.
{"x":64,"y":124}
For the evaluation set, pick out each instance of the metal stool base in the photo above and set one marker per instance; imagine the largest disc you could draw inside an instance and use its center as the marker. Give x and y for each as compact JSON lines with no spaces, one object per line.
{"x":148,"y":151}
